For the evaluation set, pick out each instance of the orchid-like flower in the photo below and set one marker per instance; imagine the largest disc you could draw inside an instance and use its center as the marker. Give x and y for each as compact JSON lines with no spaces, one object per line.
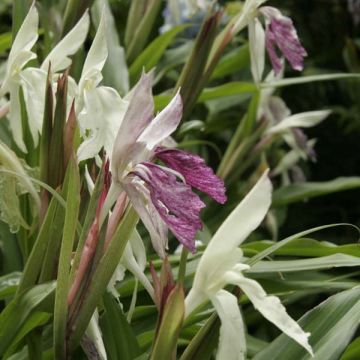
{"x":162,"y":195}
{"x":100,"y":108}
{"x":33,"y":80}
{"x":279,"y":35}
{"x":221,"y":264}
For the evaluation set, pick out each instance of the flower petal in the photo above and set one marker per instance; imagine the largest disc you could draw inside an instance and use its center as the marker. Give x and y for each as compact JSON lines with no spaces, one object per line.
{"x":177,"y":205}
{"x":138,"y":115}
{"x":95,"y":60}
{"x":257,"y":49}
{"x":101,"y":116}
{"x":271,"y":308}
{"x":304,"y":120}
{"x":69,"y":45}
{"x":195,"y":171}
{"x":246,"y":217}
{"x":164,"y":124}
{"x":281,"y":32}
{"x":232,"y":344}
{"x":33,"y":82}
{"x":140,"y":199}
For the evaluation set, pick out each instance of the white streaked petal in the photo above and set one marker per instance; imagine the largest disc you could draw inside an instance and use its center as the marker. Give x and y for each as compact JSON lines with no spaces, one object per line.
{"x":15,"y":117}
{"x":95,"y":59}
{"x":33,"y":83}
{"x":271,"y":308}
{"x":246,"y":217}
{"x":164,"y":123}
{"x":102,"y":115}
{"x":304,"y":120}
{"x":138,"y":115}
{"x":27,"y":34}
{"x":257,"y":49}
{"x":69,"y":45}
{"x":232,"y":345}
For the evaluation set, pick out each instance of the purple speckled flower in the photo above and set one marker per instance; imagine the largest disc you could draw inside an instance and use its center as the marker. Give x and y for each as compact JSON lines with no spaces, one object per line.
{"x":195,"y":171}
{"x":162,"y":196}
{"x":281,"y":35}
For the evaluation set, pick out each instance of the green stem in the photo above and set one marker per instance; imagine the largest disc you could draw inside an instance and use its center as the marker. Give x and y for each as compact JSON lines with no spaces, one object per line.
{"x":182,"y":265}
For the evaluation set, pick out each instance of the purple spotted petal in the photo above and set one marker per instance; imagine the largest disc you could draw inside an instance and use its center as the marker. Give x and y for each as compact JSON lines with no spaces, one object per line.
{"x":195,"y":171}
{"x":281,"y":34}
{"x":177,"y":205}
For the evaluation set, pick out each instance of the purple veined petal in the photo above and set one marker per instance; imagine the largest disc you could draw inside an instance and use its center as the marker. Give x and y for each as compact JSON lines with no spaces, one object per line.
{"x":140,"y":199}
{"x":281,"y":34}
{"x":174,"y":200}
{"x":137,"y":117}
{"x":195,"y":171}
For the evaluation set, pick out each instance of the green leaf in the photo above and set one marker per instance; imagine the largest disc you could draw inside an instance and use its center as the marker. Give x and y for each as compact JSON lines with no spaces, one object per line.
{"x":353,"y":351}
{"x":18,"y":311}
{"x":102,"y":276}
{"x":302,"y":191}
{"x":170,"y":326}
{"x":5,"y":42}
{"x":9,"y":284}
{"x":331,"y":324}
{"x":68,"y":237}
{"x":325,"y":262}
{"x":231,"y":88}
{"x":152,"y":54}
{"x":119,"y":339}
{"x":303,"y":247}
{"x":308,"y":79}
{"x":232,"y":62}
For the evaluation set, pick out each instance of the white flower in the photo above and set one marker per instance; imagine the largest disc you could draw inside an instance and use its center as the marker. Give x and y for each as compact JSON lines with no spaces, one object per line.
{"x":221,"y":264}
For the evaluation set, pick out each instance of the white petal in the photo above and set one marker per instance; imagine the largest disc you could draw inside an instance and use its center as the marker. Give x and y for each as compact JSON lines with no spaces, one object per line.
{"x":139,"y":114}
{"x":95,"y":60}
{"x":33,"y":83}
{"x":15,"y":117}
{"x":232,"y":345}
{"x":271,"y":308}
{"x":69,"y":45}
{"x":102,"y":115}
{"x":27,"y":34}
{"x":246,"y":217}
{"x":257,"y":49}
{"x":94,"y":333}
{"x":304,"y":120}
{"x":164,"y":124}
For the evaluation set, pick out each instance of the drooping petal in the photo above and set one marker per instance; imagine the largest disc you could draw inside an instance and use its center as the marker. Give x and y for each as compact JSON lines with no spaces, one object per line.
{"x":246,"y":217}
{"x":138,"y":115}
{"x":33,"y":82}
{"x":257,"y":49}
{"x":164,"y":124}
{"x":15,"y":116}
{"x":101,"y":117}
{"x":140,"y":199}
{"x":94,"y":334}
{"x":195,"y":171}
{"x":303,"y":120}
{"x":69,"y":45}
{"x":232,"y":344}
{"x":177,"y":205}
{"x":271,"y":308}
{"x":281,"y":33}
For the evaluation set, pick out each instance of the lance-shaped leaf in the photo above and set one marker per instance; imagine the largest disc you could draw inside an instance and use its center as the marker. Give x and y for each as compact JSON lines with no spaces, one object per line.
{"x":171,"y":322}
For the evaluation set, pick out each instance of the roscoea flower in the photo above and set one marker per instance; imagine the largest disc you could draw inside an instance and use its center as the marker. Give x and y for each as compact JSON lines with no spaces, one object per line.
{"x":221,"y":264}
{"x":162,"y":195}
{"x":279,"y":36}
{"x":33,"y":80}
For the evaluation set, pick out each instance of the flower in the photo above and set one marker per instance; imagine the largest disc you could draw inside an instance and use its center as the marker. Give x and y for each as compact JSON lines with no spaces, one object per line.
{"x":162,"y":195}
{"x":221,"y":264}
{"x":279,"y":34}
